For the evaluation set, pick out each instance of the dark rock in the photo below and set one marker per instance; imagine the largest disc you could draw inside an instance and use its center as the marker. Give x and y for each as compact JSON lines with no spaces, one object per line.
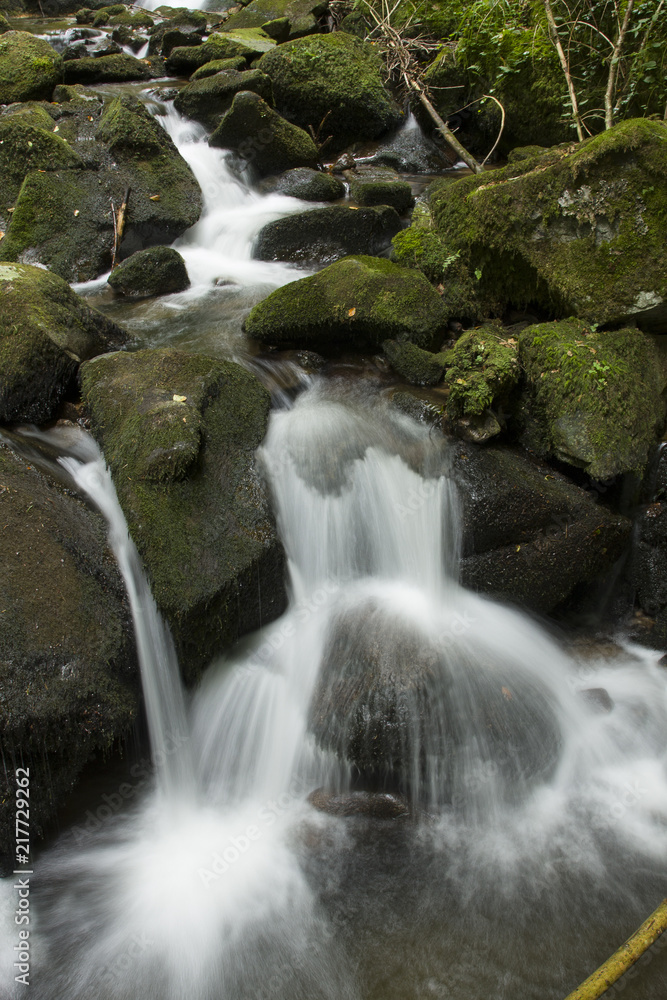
{"x":358,"y":300}
{"x":306,"y":184}
{"x":29,"y":68}
{"x":263,"y":140}
{"x":206,"y":100}
{"x":157,"y":271}
{"x":415,"y":365}
{"x":598,"y":699}
{"x":377,"y":805}
{"x":380,"y":186}
{"x":324,"y":235}
{"x":107,"y":69}
{"x":184,"y":60}
{"x":183,"y":461}
{"x":483,"y":373}
{"x":45,"y":332}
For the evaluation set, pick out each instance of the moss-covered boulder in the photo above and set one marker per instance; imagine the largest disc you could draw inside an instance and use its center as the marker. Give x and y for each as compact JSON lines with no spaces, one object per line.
{"x":25,"y":147}
{"x":157,"y":271}
{"x":306,"y":184}
{"x":218,"y":66}
{"x":68,"y":672}
{"x":29,"y":68}
{"x":297,"y":17}
{"x":179,"y":433}
{"x":380,"y":186}
{"x":184,"y":60}
{"x":530,"y":535}
{"x":578,"y":230}
{"x":415,"y":365}
{"x":334,"y":76}
{"x":119,"y":68}
{"x":264,"y":141}
{"x":63,"y":219}
{"x":595,"y":400}
{"x":4,"y":24}
{"x":482,"y":375}
{"x":323,"y":235}
{"x":206,"y":100}
{"x":45,"y":331}
{"x":359,"y":301}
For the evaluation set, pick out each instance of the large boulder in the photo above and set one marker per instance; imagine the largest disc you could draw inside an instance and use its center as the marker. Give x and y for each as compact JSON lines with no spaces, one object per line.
{"x":530,"y":536}
{"x":577,"y":230}
{"x":296,"y":18}
{"x":29,"y":68}
{"x":324,"y":235}
{"x":306,"y":184}
{"x":261,"y":138}
{"x":206,"y":100}
{"x":67,"y":657}
{"x":45,"y":332}
{"x":63,"y":219}
{"x":380,"y":186}
{"x":184,"y":60}
{"x":332,"y":83}
{"x":179,"y":432}
{"x":593,"y":399}
{"x":358,"y":300}
{"x":119,"y":68}
{"x":156,"y":271}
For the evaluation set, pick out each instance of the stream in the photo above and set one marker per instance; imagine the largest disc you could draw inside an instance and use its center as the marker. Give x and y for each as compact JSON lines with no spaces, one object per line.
{"x":526,"y":845}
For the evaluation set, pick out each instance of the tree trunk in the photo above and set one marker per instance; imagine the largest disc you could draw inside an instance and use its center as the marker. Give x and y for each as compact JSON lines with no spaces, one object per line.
{"x":555,"y":38}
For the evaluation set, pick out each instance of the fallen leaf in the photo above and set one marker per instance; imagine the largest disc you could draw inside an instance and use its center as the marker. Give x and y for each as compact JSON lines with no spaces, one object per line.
{"x":154,"y":197}
{"x":179,"y":399}
{"x":351,"y":312}
{"x":2,"y":235}
{"x":507,"y":693}
{"x":76,"y":211}
{"x":56,"y":128}
{"x":569,"y":354}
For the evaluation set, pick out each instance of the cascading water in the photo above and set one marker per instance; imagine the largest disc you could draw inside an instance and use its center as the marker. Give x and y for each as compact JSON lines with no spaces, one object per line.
{"x":536,"y":809}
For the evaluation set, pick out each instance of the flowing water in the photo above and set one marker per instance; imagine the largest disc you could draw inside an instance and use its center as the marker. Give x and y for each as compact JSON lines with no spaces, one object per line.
{"x":535,"y":837}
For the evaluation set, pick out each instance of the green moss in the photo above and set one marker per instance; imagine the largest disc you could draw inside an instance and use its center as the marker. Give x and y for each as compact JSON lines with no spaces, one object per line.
{"x":358,"y":300}
{"x":121,"y":68}
{"x":483,"y":371}
{"x":336,"y":76}
{"x":29,"y":68}
{"x":183,"y":60}
{"x":206,"y":100}
{"x":415,"y":365}
{"x":25,"y":147}
{"x":594,"y":399}
{"x":127,"y":127}
{"x":218,"y":66}
{"x":578,"y":230}
{"x":396,"y":193}
{"x":156,"y":271}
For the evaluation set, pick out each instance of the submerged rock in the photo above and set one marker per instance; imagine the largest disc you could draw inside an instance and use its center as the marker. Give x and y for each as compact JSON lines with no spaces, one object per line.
{"x":358,"y":300}
{"x":324,"y":235}
{"x":206,"y":100}
{"x":592,"y":399}
{"x":577,"y":230}
{"x":183,"y":461}
{"x":157,"y":271}
{"x":376,"y":805}
{"x":306,"y":184}
{"x":45,"y":332}
{"x":262,"y":139}
{"x":29,"y":68}
{"x":67,"y":657}
{"x":333,"y":83}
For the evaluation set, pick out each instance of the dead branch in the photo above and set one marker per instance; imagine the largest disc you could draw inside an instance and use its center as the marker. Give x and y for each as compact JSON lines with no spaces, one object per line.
{"x":118,"y":227}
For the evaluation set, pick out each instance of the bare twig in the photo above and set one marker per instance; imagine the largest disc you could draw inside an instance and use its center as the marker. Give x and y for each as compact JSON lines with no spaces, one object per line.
{"x":502,"y":126}
{"x":555,"y":38}
{"x":613,"y":67}
{"x":118,"y":227}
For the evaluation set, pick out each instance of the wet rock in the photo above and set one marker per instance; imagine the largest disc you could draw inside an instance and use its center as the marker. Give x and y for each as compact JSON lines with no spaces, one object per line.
{"x":306,"y":184}
{"x":324,"y":235}
{"x":408,"y":151}
{"x":184,"y":60}
{"x":346,"y":98}
{"x":358,"y":301}
{"x":157,"y":271}
{"x":29,"y":68}
{"x":576,"y":231}
{"x":415,"y":365}
{"x":380,"y":186}
{"x":67,"y":658}
{"x":377,"y":805}
{"x":530,"y":536}
{"x":482,"y":375}
{"x":120,"y":68}
{"x":63,"y":218}
{"x":183,"y":461}
{"x":45,"y":332}
{"x":593,"y":400}
{"x":206,"y":100}
{"x":263,"y":140}
{"x":343,"y":163}
{"x":599,"y":699}
{"x":296,"y":17}
{"x":217,"y":66}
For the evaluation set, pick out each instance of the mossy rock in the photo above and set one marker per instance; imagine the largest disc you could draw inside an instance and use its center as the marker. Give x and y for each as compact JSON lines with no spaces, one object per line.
{"x":45,"y":331}
{"x":263,"y":140}
{"x":179,"y":433}
{"x":217,"y":66}
{"x":380,"y":186}
{"x":415,"y":365}
{"x":323,"y":235}
{"x":4,"y":24}
{"x":25,"y":147}
{"x":254,"y":39}
{"x":359,"y":301}
{"x":121,"y":68}
{"x":29,"y":68}
{"x":103,"y":15}
{"x":483,"y":374}
{"x":207,"y":100}
{"x":336,"y":76}
{"x":30,"y":113}
{"x":63,"y":219}
{"x":578,"y":231}
{"x":67,"y":656}
{"x":184,"y":60}
{"x":306,"y":184}
{"x":594,"y":400}
{"x":157,"y":271}
{"x":295,"y":17}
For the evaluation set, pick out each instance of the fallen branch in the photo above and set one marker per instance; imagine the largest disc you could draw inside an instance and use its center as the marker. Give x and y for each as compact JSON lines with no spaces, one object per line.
{"x":443,"y":129}
{"x":626,"y":956}
{"x":118,"y":227}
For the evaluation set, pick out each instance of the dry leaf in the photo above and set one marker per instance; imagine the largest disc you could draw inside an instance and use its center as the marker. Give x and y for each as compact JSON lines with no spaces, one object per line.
{"x":179,"y":399}
{"x":76,"y":211}
{"x":351,"y":312}
{"x":154,"y":197}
